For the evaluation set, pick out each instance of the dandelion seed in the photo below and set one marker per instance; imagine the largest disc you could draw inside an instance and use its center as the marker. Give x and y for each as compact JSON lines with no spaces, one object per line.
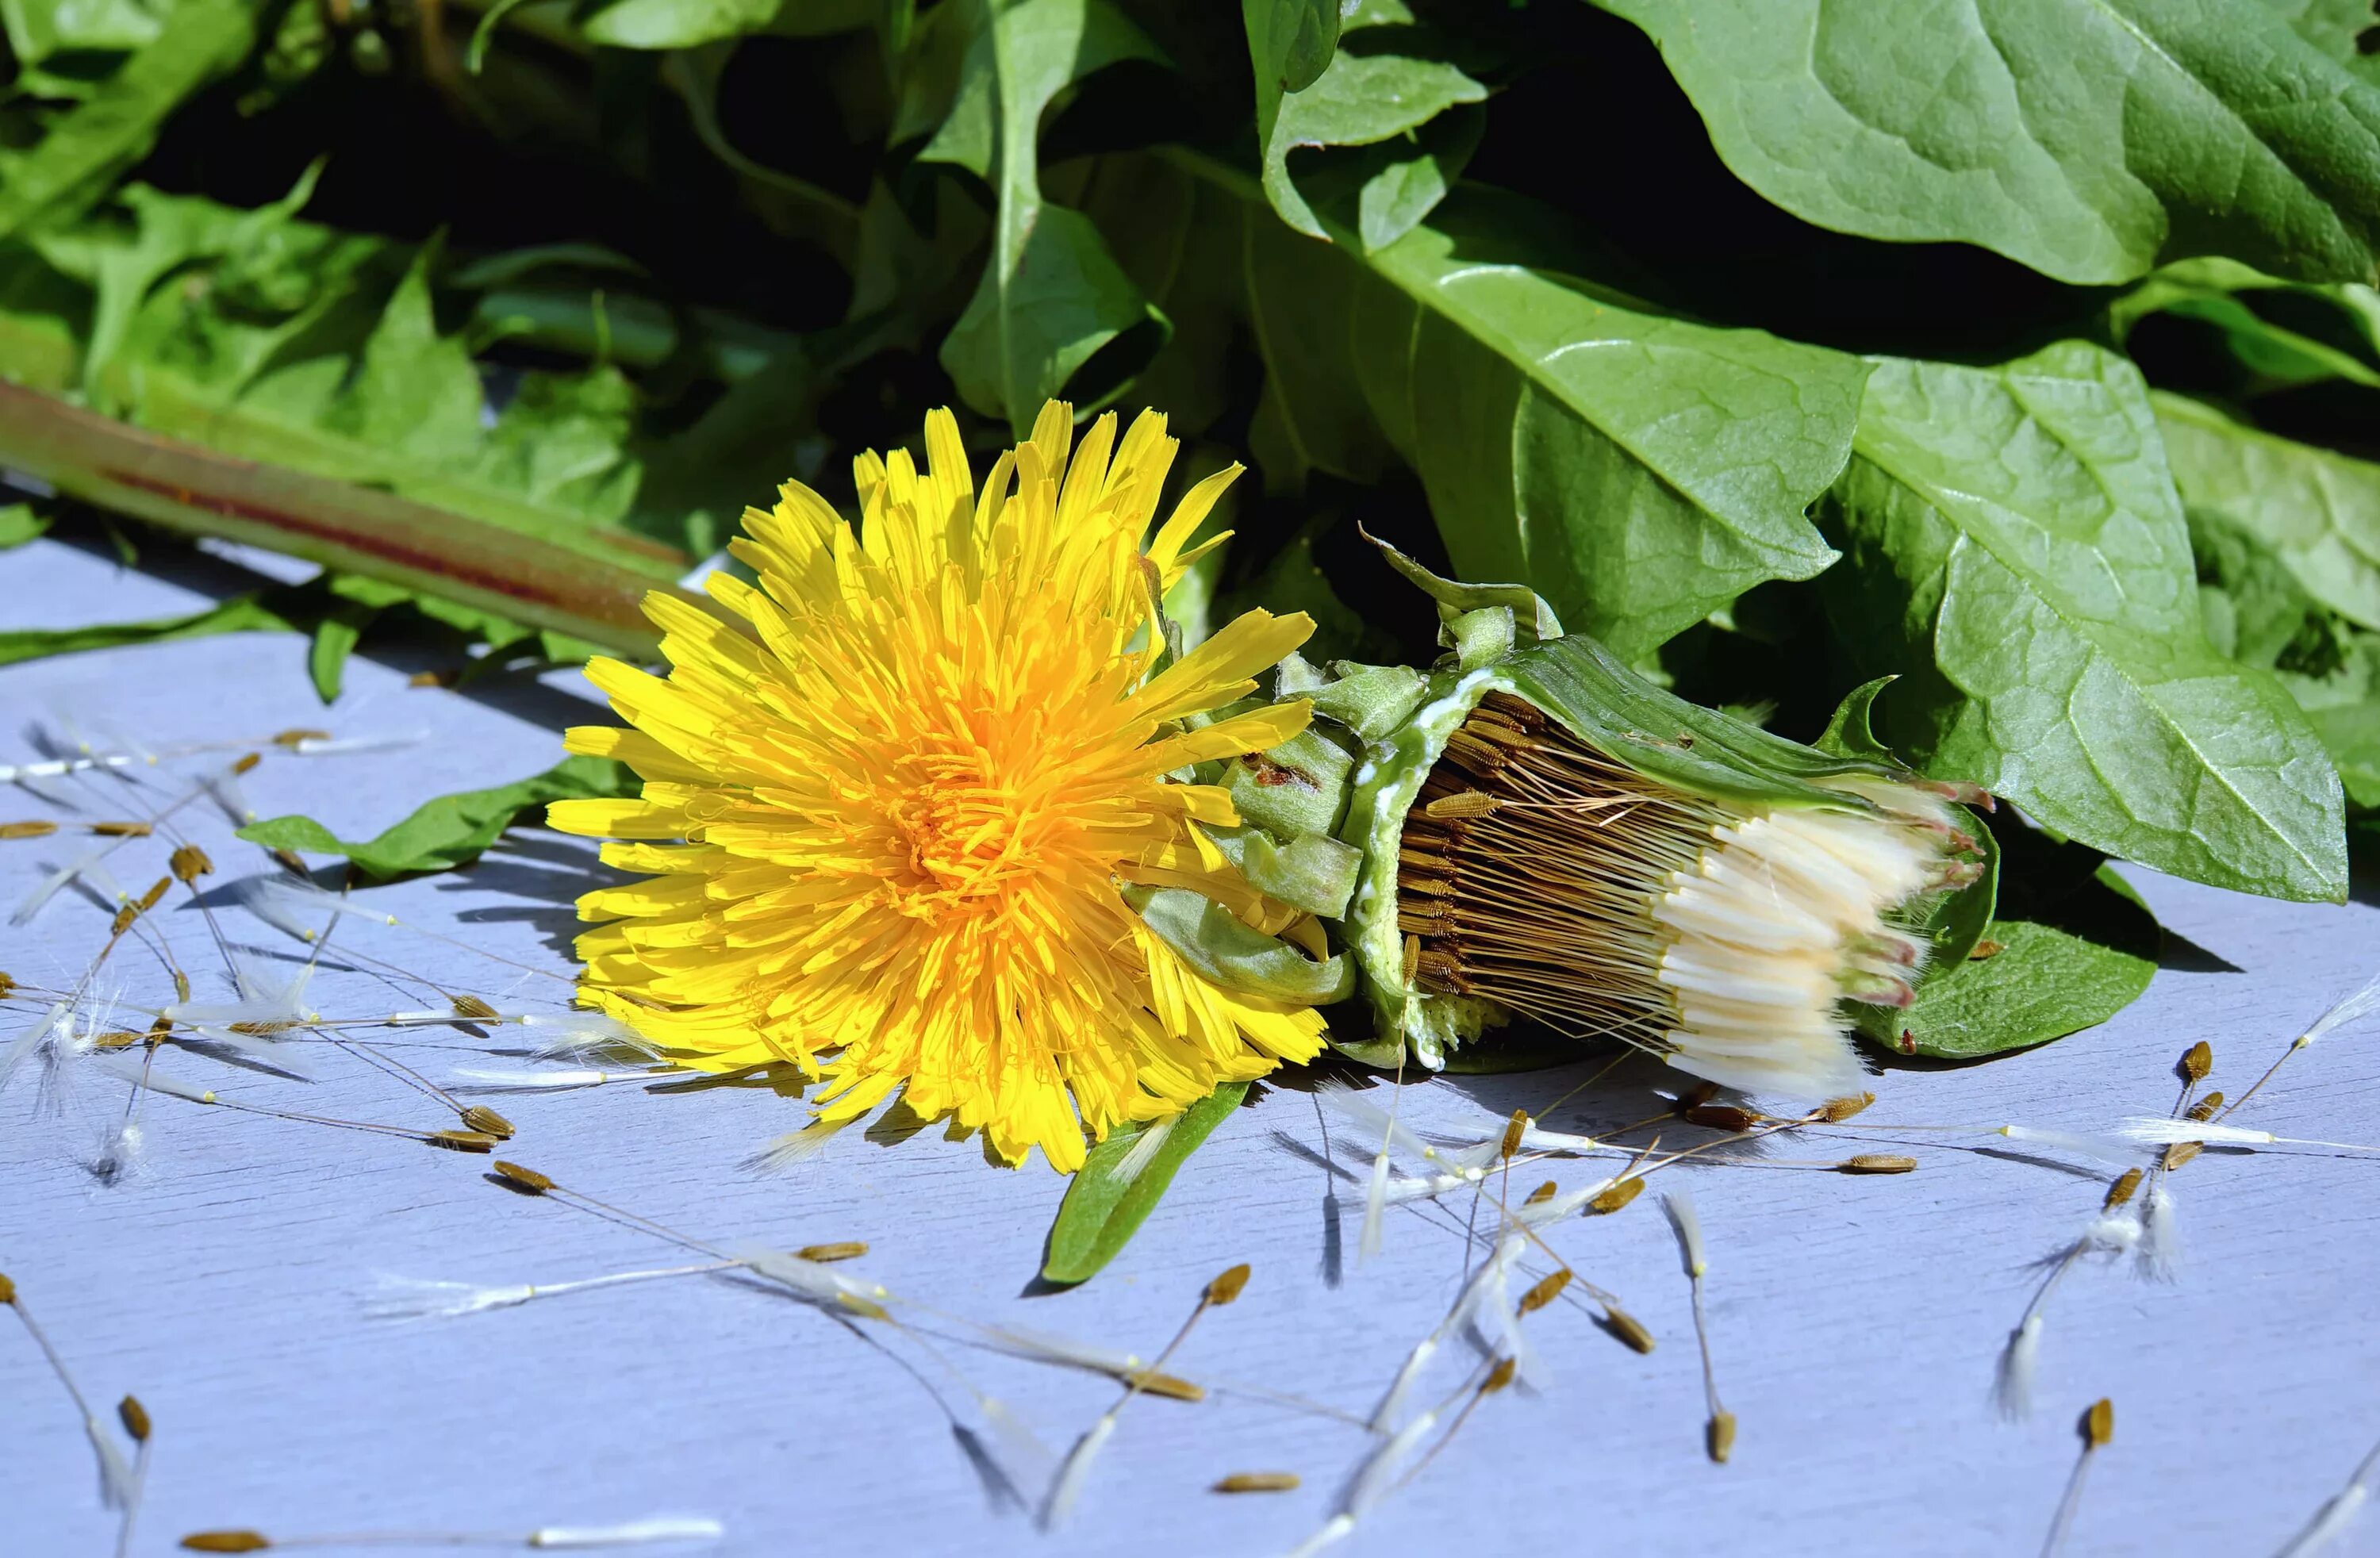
{"x":1877,"y":1163}
{"x":2158,"y":1130}
{"x":1627,"y":1327}
{"x":317,"y":745}
{"x":1622,"y":1191}
{"x":1475,"y":1292}
{"x":117,"y":1484}
{"x":1075,"y":1473}
{"x":2207,"y":1108}
{"x":2112,"y":1149}
{"x":145,"y":1076}
{"x":1259,"y":1482}
{"x":27,"y":830}
{"x":1836,"y":1111}
{"x":137,"y":1426}
{"x":509,"y":1079}
{"x":546,"y":1538}
{"x":1720,"y":1117}
{"x":486,"y":1121}
{"x":2121,"y":1190}
{"x":2097,"y":1426}
{"x":2180,"y":1153}
{"x":2356,"y":1005}
{"x":2337,"y":1513}
{"x":2020,"y":1360}
{"x":404,"y":1298}
{"x":1682,"y":1217}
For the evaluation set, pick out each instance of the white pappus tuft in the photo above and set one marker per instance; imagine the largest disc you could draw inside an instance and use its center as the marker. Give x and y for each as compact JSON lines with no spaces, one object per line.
{"x":2020,"y":1360}
{"x":1068,"y":1489}
{"x":410,"y":1298}
{"x":2358,"y":1004}
{"x":2160,"y":1246}
{"x":632,"y":1533}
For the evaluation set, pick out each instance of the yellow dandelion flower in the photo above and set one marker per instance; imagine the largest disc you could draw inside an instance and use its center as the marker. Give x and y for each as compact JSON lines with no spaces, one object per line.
{"x":888,"y":823}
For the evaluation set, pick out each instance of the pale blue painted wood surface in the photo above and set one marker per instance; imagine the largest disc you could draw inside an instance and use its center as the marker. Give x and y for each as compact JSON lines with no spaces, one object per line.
{"x":1855,"y":1321}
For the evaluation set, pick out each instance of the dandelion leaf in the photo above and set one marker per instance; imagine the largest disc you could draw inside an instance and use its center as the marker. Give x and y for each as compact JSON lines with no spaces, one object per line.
{"x":1109,"y":1199}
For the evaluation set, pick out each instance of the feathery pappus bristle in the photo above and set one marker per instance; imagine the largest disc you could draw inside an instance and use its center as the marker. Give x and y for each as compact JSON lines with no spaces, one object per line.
{"x":1722,"y":937}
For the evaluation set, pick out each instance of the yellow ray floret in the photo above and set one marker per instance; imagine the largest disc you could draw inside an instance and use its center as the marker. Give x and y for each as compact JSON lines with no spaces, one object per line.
{"x":894,"y":794}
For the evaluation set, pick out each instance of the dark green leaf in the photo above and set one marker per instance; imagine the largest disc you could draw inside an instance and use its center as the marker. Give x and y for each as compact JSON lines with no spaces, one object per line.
{"x":1051,"y":295}
{"x":452,"y":829}
{"x":2317,"y":511}
{"x":1390,"y":88}
{"x":1636,"y":469}
{"x":2014,"y":532}
{"x":2088,"y":138}
{"x":242,"y":613}
{"x":1104,"y":1206}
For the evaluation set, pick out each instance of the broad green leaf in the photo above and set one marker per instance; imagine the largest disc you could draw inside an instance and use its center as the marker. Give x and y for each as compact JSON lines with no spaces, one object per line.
{"x":2334,"y":27}
{"x":1109,"y":1200}
{"x":1289,"y":42}
{"x":2012,"y":538}
{"x":242,"y":613}
{"x":2222,"y":293}
{"x":2087,"y":138}
{"x":87,"y":149}
{"x":2256,"y":613}
{"x":1636,"y":470}
{"x":675,"y":24}
{"x":2253,"y":610}
{"x":452,"y":829}
{"x":2070,"y":946}
{"x":1051,"y":295}
{"x":1394,"y":84}
{"x":2319,"y":512}
{"x":2350,"y":732}
{"x":20,"y":523}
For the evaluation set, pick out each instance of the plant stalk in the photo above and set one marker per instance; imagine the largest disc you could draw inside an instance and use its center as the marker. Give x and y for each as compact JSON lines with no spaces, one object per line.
{"x":187,"y":487}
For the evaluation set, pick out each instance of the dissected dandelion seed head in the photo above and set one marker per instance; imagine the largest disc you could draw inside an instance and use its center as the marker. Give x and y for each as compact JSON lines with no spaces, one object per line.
{"x":1724,"y":937}
{"x":895,"y":796}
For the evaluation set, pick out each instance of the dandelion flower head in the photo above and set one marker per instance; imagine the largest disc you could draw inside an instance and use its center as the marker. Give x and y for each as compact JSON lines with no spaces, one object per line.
{"x":893,"y":810}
